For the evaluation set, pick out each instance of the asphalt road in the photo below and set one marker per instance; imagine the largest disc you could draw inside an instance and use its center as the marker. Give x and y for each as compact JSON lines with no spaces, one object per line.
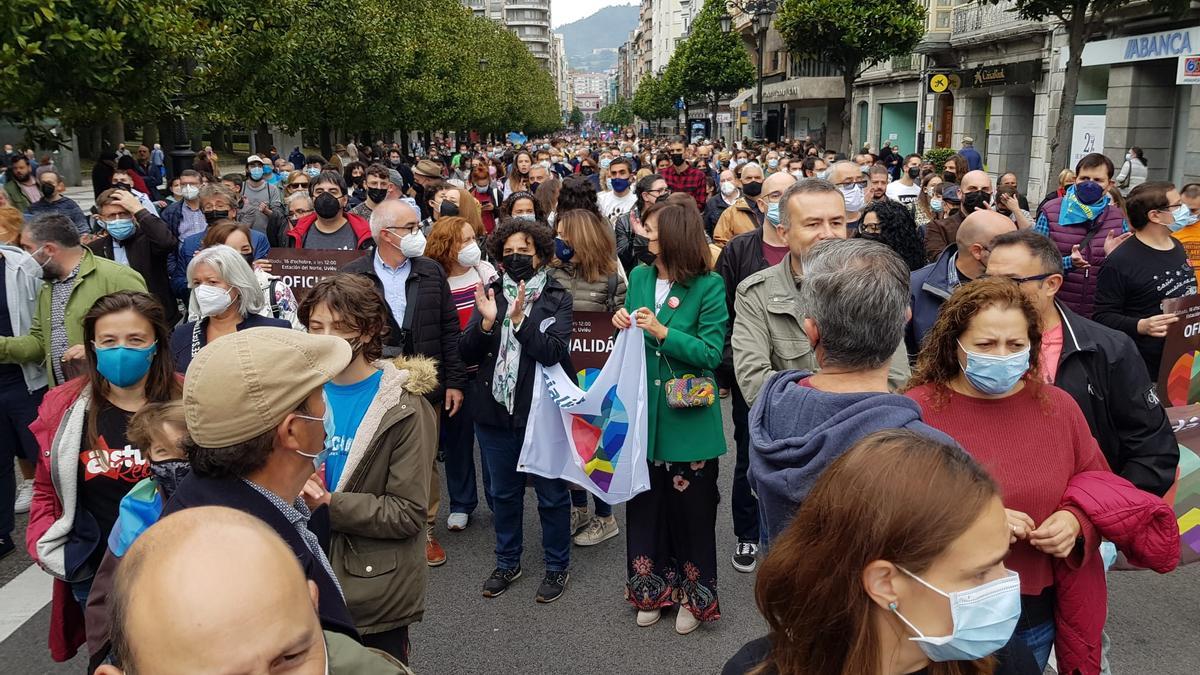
{"x":1152,"y":618}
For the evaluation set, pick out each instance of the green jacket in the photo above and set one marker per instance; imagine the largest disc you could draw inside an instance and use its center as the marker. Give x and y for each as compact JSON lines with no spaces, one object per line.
{"x":767,"y":335}
{"x":347,"y":657}
{"x":97,"y":277}
{"x":16,"y":196}
{"x":694,"y":345}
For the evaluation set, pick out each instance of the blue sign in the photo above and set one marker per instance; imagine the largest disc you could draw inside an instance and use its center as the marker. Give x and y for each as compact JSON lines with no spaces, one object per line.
{"x":679,"y":104}
{"x":1159,"y":46}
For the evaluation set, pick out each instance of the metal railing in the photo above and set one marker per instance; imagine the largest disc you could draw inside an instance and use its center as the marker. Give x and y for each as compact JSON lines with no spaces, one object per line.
{"x":980,"y":20}
{"x":903,"y":63}
{"x":811,"y":68}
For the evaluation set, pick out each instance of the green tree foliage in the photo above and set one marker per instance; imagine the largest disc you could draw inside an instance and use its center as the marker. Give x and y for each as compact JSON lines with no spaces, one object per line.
{"x":852,"y":35}
{"x":938,"y":157}
{"x":710,"y":64}
{"x":1081,"y":19}
{"x":576,"y":118}
{"x":616,"y":114}
{"x":653,"y":100}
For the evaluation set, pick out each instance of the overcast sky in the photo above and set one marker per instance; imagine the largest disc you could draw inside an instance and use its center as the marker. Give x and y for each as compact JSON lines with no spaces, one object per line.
{"x":566,"y":11}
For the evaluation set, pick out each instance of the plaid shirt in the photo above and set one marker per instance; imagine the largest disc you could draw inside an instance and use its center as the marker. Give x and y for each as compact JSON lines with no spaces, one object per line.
{"x":690,"y":180}
{"x":298,"y":514}
{"x":60,"y":293}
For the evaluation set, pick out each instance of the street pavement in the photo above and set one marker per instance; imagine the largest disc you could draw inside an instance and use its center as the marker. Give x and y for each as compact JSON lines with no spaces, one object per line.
{"x":1152,"y":618}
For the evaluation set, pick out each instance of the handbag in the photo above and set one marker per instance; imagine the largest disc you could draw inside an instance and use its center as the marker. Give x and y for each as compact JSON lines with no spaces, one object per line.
{"x":689,"y":391}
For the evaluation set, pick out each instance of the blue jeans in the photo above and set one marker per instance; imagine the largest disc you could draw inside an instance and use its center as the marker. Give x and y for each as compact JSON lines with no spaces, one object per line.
{"x":458,"y":446}
{"x":501,"y":448}
{"x":1039,"y":639}
{"x":80,"y":591}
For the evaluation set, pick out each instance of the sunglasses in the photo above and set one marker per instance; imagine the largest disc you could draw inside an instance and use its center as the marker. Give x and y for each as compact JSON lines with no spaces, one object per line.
{"x":298,"y":186}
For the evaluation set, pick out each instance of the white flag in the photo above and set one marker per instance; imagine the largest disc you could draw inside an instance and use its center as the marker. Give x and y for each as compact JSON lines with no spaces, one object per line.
{"x":595,"y":439}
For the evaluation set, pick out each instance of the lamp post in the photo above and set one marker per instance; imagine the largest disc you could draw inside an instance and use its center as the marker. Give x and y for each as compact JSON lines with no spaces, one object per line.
{"x":181,"y":141}
{"x":760,"y":13}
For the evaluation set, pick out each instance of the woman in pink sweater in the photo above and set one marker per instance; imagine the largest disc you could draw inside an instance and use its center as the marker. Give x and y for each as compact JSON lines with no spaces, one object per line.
{"x":976,"y":380}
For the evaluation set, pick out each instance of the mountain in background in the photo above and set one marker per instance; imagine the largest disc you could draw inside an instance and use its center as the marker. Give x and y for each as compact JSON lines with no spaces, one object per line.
{"x":606,"y":30}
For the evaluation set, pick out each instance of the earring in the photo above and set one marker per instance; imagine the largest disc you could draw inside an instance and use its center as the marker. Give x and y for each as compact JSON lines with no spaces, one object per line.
{"x":892,"y":606}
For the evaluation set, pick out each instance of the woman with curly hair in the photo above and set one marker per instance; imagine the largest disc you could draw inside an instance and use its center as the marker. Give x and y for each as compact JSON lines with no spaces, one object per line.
{"x":520,"y":320}
{"x":890,"y":223}
{"x":978,"y":374}
{"x":522,"y":206}
{"x":578,"y":193}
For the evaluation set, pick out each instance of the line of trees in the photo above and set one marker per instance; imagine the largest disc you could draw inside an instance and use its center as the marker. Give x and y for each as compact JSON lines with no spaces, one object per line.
{"x":353,"y":64}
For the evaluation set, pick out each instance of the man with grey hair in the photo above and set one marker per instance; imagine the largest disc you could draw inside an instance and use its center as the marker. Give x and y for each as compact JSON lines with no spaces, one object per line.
{"x":855,"y":304}
{"x":423,"y":320}
{"x":851,"y":180}
{"x":767,"y":331}
{"x":217,"y":202}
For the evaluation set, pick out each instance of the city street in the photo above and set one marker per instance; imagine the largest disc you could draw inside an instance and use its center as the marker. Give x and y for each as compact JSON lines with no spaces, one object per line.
{"x":591,"y":630}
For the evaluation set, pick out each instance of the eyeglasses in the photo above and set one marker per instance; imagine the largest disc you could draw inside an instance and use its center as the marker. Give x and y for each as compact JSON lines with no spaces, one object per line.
{"x":859,"y":183}
{"x":402,"y":230}
{"x":1019,"y":280}
{"x":298,"y":186}
{"x":300,"y":213}
{"x":660,"y":192}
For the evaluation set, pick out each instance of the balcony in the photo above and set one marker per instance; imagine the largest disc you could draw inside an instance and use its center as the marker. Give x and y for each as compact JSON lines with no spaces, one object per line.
{"x":977,"y":23}
{"x":903,"y":64}
{"x":527,"y":18}
{"x":528,"y":4}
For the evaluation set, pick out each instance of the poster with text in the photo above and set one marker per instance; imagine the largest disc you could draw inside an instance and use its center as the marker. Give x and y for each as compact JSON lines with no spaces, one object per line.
{"x":592,"y":336}
{"x":1087,"y":136}
{"x":1179,"y":390}
{"x":302,"y":268}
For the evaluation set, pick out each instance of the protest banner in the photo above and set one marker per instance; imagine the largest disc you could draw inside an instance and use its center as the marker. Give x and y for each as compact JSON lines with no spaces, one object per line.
{"x":1179,"y":391}
{"x":592,"y":336}
{"x":302,"y":268}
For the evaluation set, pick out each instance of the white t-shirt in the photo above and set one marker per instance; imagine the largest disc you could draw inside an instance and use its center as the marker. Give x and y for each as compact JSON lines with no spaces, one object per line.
{"x":905,"y":194}
{"x":613,"y":206}
{"x":662,"y":290}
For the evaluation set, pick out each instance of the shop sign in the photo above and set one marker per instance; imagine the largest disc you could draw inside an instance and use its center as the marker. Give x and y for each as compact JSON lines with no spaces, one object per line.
{"x":723,"y":118}
{"x":1189,"y":70}
{"x":1022,"y":72}
{"x":1163,"y":45}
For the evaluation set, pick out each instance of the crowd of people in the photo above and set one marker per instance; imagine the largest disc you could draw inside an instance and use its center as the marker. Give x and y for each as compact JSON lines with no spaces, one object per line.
{"x":944,"y":407}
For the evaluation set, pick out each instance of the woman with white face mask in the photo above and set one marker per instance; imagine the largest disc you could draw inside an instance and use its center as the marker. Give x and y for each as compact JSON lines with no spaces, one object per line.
{"x":899,"y":549}
{"x":226,"y":296}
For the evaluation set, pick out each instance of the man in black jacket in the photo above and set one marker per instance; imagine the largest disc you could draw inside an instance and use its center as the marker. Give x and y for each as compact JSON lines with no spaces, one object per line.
{"x":136,"y":237}
{"x":423,"y":319}
{"x":1099,"y":367}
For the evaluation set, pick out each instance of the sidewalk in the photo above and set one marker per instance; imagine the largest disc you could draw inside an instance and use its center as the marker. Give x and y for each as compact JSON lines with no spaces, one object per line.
{"x":82,"y":195}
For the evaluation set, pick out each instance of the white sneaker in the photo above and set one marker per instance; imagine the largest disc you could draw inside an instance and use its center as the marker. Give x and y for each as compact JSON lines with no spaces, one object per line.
{"x":457,"y":522}
{"x":579,"y":519}
{"x":685,"y":621}
{"x":24,"y":497}
{"x":646,"y":619}
{"x":598,"y":530}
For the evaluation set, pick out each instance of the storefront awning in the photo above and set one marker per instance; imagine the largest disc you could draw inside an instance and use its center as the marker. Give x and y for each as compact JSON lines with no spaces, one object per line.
{"x":795,"y":89}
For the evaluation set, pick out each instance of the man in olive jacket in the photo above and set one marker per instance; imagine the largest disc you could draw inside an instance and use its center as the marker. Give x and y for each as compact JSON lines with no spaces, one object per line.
{"x":75,"y":279}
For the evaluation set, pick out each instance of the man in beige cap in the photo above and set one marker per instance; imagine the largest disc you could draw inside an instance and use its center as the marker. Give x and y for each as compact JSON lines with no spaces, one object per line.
{"x":426,"y":173}
{"x":246,"y":607}
{"x":255,"y":415}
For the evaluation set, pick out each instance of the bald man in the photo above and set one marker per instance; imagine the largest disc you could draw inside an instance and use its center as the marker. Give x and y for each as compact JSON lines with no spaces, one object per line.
{"x":423,"y":320}
{"x":850,"y":179}
{"x":958,"y":264}
{"x":246,"y":606}
{"x":766,"y":203}
{"x":975,"y":190}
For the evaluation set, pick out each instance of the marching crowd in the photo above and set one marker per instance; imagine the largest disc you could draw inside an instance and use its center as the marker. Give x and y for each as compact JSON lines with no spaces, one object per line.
{"x":944,"y":407}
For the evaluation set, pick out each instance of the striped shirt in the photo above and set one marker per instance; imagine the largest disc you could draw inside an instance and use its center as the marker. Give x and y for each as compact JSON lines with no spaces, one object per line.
{"x":462,"y":293}
{"x":60,"y":293}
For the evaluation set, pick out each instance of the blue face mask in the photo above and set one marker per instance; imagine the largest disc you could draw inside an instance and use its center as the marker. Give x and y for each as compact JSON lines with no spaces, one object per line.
{"x":563,"y":250}
{"x":619,"y":184}
{"x":120,"y":229}
{"x":935,"y":205}
{"x":328,"y":425}
{"x":312,"y":172}
{"x":256,"y":172}
{"x":995,"y":375}
{"x":1183,"y":217}
{"x":1088,"y":192}
{"x":984,"y":620}
{"x":773,"y":213}
{"x":124,"y":366}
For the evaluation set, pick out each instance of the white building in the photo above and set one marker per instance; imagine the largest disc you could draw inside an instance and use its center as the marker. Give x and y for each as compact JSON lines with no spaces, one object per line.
{"x":668,"y":27}
{"x":590,"y":84}
{"x":528,"y":19}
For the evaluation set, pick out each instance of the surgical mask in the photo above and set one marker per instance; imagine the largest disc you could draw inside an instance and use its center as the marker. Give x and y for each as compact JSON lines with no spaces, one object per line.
{"x":773,"y":213}
{"x":189,"y":192}
{"x":976,"y":201}
{"x":728,"y":188}
{"x":168,"y":474}
{"x":984,"y":620}
{"x":329,"y":428}
{"x":619,"y":184}
{"x":854,"y":197}
{"x":740,"y":161}
{"x":604,"y":163}
{"x":563,"y":251}
{"x":212,"y":300}
{"x":470,"y":255}
{"x":326,"y":205}
{"x":412,"y":245}
{"x":124,"y":366}
{"x":119,"y":229}
{"x":518,"y":266}
{"x":823,"y":175}
{"x":312,"y":172}
{"x":772,"y":163}
{"x":752,"y":188}
{"x":525,"y":216}
{"x":1183,"y":217}
{"x":995,"y":375}
{"x":256,"y":173}
{"x":448,"y":209}
{"x":935,"y":205}
{"x":1088,"y":192}
{"x":641,"y":250}
{"x":798,"y":173}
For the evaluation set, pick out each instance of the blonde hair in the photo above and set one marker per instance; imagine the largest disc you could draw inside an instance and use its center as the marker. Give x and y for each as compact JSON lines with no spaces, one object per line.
{"x":11,"y":223}
{"x":470,"y":211}
{"x":592,"y":238}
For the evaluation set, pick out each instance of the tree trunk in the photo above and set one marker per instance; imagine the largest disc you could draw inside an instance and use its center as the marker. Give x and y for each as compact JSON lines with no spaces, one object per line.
{"x":847,"y":103}
{"x":116,"y":131}
{"x":325,"y":139}
{"x":1060,"y":142}
{"x":149,"y":134}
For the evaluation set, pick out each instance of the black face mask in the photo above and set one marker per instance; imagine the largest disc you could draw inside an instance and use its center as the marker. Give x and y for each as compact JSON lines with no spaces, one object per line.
{"x":752,"y":188}
{"x":533,"y":186}
{"x":587,"y":170}
{"x":914,"y":171}
{"x":518,"y":266}
{"x":326,"y":205}
{"x":213,"y":216}
{"x":357,"y":180}
{"x":677,"y":158}
{"x":976,"y":201}
{"x":642,"y":252}
{"x":448,"y":209}
{"x":48,"y":190}
{"x":249,"y":258}
{"x":377,"y":195}
{"x":168,"y":474}
{"x":949,"y":177}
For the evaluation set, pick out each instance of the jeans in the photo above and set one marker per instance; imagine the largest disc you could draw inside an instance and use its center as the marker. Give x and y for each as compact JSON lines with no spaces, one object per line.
{"x":501,"y":448}
{"x":745,"y":506}
{"x":1039,"y":639}
{"x":579,"y":498}
{"x":18,"y":409}
{"x":458,"y":446}
{"x":80,"y":591}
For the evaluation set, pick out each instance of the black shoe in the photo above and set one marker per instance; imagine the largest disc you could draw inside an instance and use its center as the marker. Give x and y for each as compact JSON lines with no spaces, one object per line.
{"x":6,"y":546}
{"x":499,"y":582}
{"x":745,"y":557}
{"x":553,"y":586}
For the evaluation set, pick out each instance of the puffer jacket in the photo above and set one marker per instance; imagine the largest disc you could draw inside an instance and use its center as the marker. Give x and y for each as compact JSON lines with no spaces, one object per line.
{"x":606,"y":295}
{"x":377,"y":510}
{"x":1142,"y":526}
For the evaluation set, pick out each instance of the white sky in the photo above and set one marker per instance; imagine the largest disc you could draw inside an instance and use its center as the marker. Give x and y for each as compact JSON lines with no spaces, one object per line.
{"x":565,"y":11}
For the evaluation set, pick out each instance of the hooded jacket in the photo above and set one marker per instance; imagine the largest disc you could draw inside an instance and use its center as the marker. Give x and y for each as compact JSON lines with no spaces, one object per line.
{"x":796,"y":432}
{"x":22,"y":283}
{"x":377,"y":510}
{"x":360,"y":226}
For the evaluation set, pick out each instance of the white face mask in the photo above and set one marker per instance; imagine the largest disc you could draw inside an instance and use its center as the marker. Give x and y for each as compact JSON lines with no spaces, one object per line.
{"x":728,"y":188}
{"x":412,"y":245}
{"x":469,"y":255}
{"x":190,"y":192}
{"x":212,"y":300}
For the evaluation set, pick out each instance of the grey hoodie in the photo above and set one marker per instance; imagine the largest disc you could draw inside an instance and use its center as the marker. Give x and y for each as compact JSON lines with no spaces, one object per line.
{"x":796,"y":432}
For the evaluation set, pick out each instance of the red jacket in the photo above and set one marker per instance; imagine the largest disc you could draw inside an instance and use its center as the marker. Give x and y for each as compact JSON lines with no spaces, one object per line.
{"x":1142,"y":526}
{"x":362,"y":230}
{"x":66,"y":616}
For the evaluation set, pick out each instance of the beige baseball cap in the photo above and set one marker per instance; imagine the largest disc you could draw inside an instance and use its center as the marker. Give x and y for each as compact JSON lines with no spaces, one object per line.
{"x":244,"y":384}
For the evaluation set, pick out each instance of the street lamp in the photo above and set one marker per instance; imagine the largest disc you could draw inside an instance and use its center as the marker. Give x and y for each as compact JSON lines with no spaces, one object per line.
{"x":760,"y":13}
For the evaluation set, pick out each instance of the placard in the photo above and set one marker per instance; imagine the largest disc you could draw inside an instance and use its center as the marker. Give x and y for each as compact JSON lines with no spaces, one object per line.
{"x":1087,"y":136}
{"x":1189,"y":70}
{"x":302,"y":268}
{"x":592,"y":338}
{"x":1179,"y":391}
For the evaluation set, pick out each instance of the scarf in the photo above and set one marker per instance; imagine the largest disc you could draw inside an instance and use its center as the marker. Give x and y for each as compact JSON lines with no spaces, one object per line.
{"x":1074,"y":212}
{"x":508,"y":358}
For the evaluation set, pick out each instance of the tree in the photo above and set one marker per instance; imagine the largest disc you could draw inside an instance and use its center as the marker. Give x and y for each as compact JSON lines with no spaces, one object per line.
{"x":851,"y":35}
{"x":576,"y":118}
{"x":1081,"y":19}
{"x":712,"y":64}
{"x":652,"y":101}
{"x":616,"y":114}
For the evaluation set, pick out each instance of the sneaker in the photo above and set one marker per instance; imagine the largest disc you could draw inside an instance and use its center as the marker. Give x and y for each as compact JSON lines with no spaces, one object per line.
{"x":435,"y":555}
{"x":685,"y":621}
{"x":499,"y":582}
{"x":24,"y":497}
{"x":645,"y":619}
{"x":554,"y":584}
{"x":745,"y":558}
{"x":597,"y":531}
{"x":579,"y":519}
{"x":457,"y":522}
{"x":6,"y":546}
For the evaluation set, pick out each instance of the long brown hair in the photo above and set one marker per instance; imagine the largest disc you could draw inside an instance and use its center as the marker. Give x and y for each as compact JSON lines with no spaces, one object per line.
{"x":682,"y":246}
{"x":470,"y":211}
{"x":594,"y":243}
{"x":354,"y":302}
{"x":442,"y":246}
{"x":161,"y":383}
{"x":219,"y":231}
{"x":938,"y":362}
{"x":895,"y":496}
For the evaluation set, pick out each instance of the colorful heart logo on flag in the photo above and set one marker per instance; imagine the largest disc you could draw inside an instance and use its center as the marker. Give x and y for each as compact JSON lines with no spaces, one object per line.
{"x":598,"y":439}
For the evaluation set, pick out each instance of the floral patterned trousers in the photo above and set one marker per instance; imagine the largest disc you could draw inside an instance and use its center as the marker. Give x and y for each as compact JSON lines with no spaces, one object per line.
{"x":671,"y":547}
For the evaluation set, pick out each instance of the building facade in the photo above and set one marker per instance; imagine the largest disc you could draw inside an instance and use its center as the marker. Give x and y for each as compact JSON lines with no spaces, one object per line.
{"x":528,"y":19}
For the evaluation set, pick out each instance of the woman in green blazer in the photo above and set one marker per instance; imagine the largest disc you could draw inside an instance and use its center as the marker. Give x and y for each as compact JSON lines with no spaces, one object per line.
{"x":671,"y":549}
